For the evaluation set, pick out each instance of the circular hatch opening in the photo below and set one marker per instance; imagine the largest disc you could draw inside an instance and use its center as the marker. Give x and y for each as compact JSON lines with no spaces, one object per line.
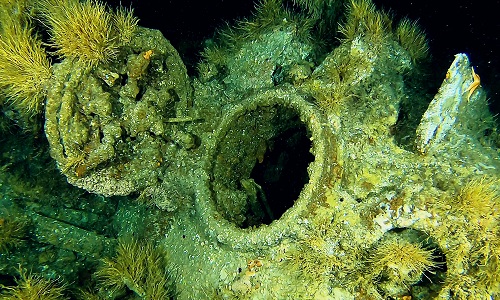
{"x":266,"y":169}
{"x":261,"y":165}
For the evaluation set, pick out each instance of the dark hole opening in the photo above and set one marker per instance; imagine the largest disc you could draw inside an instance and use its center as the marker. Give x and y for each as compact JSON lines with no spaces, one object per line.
{"x":283,"y":171}
{"x":260,"y":166}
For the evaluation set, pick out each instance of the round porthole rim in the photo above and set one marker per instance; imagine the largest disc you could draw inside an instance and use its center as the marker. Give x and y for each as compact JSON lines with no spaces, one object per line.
{"x":319,"y":170}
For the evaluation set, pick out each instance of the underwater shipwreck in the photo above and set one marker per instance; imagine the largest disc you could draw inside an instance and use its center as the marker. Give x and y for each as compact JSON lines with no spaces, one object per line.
{"x":307,"y":159}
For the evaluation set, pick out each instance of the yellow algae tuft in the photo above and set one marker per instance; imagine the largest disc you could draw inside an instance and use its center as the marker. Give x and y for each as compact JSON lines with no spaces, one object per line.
{"x":364,"y":19}
{"x":478,"y":202}
{"x":125,"y":23}
{"x":412,"y":38}
{"x":24,"y":67}
{"x":12,"y":233}
{"x":31,"y":286}
{"x":138,"y":266}
{"x":80,"y":30}
{"x":399,"y":261}
{"x":402,"y":261}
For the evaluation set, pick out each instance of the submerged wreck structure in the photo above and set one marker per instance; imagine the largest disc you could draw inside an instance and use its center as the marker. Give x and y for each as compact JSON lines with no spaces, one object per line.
{"x":305,"y":160}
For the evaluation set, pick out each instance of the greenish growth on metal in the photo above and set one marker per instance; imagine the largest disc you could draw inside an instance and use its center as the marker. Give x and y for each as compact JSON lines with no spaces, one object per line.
{"x":279,"y":172}
{"x":108,"y":126}
{"x":277,"y":41}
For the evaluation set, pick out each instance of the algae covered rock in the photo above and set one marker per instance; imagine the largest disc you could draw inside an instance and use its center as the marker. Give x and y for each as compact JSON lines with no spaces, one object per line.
{"x":109,"y":126}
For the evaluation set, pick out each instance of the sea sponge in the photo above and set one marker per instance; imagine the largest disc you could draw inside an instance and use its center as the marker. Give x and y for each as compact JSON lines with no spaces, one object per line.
{"x":91,"y":112}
